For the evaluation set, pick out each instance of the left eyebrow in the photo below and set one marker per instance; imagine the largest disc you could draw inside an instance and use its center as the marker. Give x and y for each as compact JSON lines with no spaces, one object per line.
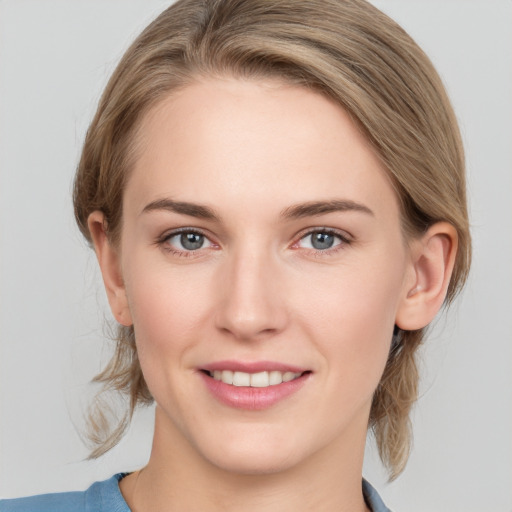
{"x":312,"y":208}
{"x":183,"y":208}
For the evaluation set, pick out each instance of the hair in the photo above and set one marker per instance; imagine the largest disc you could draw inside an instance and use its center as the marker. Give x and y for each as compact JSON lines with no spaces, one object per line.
{"x":345,"y":49}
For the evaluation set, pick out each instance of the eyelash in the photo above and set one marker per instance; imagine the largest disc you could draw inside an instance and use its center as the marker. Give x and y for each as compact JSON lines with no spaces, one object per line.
{"x":163,"y":241}
{"x":342,"y":236}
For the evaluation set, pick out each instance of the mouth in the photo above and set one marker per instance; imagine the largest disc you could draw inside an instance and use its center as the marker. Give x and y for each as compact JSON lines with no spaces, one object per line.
{"x":262,"y":379}
{"x":253,"y":386}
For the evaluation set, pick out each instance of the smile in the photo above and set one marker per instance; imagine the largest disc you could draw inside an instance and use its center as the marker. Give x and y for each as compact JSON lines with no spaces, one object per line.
{"x":253,"y":386}
{"x":254,"y":380}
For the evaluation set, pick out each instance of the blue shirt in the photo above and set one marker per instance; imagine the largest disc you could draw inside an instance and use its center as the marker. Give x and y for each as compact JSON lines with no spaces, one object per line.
{"x":106,"y":497}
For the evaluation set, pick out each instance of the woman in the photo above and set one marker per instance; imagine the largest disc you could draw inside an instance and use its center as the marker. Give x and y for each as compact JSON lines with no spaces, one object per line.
{"x":278,"y":210}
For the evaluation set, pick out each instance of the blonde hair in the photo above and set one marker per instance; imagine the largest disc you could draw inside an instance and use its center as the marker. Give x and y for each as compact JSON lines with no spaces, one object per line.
{"x":345,"y":49}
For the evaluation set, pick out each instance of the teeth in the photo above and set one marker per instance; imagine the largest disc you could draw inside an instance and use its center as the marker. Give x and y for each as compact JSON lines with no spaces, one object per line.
{"x":254,"y":380}
{"x":260,"y":380}
{"x":241,"y":379}
{"x":225,"y":376}
{"x":275,"y":378}
{"x":288,"y":376}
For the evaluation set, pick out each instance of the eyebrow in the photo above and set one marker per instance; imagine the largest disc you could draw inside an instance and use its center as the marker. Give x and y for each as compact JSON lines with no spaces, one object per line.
{"x":182,"y":207}
{"x":297,"y":211}
{"x":313,"y":208}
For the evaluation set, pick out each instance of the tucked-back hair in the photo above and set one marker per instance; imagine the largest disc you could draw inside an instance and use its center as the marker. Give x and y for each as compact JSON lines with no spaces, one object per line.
{"x":346,"y":50}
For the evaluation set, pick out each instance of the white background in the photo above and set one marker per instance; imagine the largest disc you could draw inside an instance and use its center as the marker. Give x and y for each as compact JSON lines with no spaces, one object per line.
{"x":55,"y":57}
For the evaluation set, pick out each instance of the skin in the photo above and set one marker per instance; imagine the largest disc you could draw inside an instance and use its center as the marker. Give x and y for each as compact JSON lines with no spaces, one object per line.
{"x":258,"y":290}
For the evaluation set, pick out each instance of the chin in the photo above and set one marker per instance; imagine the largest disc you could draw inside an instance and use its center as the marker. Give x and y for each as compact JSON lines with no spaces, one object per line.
{"x":252,"y":457}
{"x":252,"y":464}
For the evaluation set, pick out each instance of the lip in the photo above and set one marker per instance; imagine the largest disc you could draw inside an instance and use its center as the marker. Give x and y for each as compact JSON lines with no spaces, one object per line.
{"x":252,"y":366}
{"x":249,"y":398}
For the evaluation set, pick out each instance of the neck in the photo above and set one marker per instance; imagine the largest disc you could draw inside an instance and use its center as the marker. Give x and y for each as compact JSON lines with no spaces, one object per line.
{"x":178,"y":478}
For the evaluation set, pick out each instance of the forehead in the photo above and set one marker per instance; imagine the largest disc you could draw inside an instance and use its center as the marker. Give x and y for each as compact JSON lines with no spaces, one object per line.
{"x":253,"y":143}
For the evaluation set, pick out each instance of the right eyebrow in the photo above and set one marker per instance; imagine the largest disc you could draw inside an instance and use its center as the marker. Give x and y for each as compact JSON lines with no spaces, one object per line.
{"x":314,"y":208}
{"x":183,"y":208}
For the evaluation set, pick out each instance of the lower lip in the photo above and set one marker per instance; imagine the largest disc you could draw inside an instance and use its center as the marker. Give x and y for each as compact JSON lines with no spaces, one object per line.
{"x":252,"y":399}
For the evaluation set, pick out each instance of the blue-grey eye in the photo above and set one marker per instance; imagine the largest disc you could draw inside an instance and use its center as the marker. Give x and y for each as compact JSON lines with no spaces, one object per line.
{"x":320,"y":240}
{"x":188,"y":241}
{"x":191,"y":241}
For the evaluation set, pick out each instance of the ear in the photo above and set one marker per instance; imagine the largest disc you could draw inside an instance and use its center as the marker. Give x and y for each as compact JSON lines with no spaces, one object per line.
{"x":110,"y":265}
{"x":426,"y":284}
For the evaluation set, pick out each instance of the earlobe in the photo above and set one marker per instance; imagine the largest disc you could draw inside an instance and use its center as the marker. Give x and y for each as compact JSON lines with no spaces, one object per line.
{"x":432,"y":260}
{"x":110,"y":265}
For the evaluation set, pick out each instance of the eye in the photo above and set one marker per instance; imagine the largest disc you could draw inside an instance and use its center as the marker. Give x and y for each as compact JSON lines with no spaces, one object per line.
{"x":322,"y":240}
{"x":187,"y":241}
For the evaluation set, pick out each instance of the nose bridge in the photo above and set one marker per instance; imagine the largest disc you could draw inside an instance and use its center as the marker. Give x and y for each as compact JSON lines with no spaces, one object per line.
{"x":251,"y":303}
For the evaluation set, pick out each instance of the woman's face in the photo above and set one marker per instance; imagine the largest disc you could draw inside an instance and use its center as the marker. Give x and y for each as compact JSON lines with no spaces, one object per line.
{"x":260,"y":241}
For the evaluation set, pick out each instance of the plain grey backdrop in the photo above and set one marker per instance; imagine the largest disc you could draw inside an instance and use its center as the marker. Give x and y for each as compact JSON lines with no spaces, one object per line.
{"x":55,"y":58}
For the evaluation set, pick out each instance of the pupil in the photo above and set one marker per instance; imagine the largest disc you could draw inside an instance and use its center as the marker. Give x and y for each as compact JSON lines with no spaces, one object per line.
{"x":322,"y":240}
{"x":191,"y":241}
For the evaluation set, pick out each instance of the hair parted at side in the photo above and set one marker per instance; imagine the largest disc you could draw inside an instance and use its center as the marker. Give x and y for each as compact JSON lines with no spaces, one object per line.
{"x":345,"y":49}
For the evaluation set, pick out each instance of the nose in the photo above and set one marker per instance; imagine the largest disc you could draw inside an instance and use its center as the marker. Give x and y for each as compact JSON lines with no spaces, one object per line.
{"x":251,"y":298}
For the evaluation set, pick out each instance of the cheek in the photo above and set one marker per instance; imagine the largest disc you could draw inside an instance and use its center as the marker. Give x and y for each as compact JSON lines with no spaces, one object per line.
{"x":168,"y":311}
{"x":360,"y":299}
{"x":352,"y":316}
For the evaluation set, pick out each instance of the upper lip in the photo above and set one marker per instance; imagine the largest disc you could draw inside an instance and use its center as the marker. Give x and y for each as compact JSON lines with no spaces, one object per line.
{"x":252,"y":366}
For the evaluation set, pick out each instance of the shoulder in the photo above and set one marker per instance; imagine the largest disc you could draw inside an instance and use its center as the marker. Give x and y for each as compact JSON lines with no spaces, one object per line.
{"x":100,"y":497}
{"x":372,"y":498}
{"x":58,"y":502}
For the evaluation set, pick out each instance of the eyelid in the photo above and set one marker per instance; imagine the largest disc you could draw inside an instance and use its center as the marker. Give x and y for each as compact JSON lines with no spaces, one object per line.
{"x":163,"y":240}
{"x":344,"y":235}
{"x":177,"y":231}
{"x":346,"y":238}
